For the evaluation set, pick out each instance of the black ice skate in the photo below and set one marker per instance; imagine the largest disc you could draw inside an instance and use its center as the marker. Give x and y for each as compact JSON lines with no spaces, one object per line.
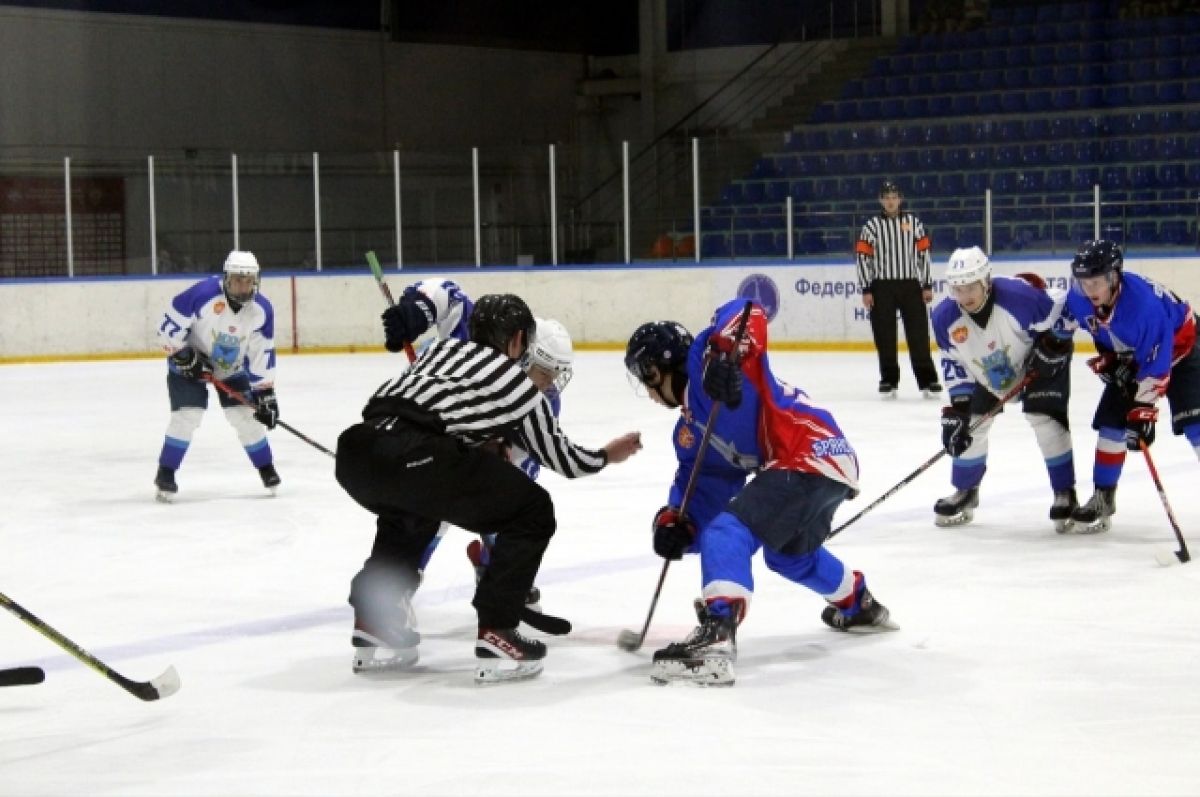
{"x":867,"y":614}
{"x":932,"y":391}
{"x":270,"y":478}
{"x":887,"y":391}
{"x":502,"y":654}
{"x":705,"y":658}
{"x":476,"y":553}
{"x":1094,"y":516}
{"x":1061,"y":511}
{"x":386,"y":644}
{"x":164,"y":480}
{"x":957,"y":509}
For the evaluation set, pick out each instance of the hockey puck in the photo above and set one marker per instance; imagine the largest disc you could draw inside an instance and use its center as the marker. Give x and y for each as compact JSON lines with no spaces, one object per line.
{"x":1166,"y":557}
{"x":629,"y":640}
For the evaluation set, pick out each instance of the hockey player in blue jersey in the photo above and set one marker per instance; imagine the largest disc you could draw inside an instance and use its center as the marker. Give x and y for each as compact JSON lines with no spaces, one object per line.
{"x":805,"y":468}
{"x":1145,"y":338}
{"x":221,"y":327}
{"x":992,"y":333}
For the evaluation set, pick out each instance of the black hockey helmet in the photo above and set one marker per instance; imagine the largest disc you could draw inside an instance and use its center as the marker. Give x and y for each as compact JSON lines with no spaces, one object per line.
{"x":890,"y":187}
{"x":662,"y":345}
{"x":1097,"y":257}
{"x":497,"y":317}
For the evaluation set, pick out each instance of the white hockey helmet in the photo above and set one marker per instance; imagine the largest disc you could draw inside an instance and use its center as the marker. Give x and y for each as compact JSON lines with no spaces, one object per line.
{"x":552,"y":352}
{"x":241,"y":264}
{"x":968,"y":266}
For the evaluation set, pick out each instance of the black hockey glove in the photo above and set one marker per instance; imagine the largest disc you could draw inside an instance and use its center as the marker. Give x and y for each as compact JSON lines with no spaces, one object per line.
{"x":408,"y":319}
{"x":1114,"y":369}
{"x":1139,"y":426}
{"x":190,"y":363}
{"x":955,"y":422}
{"x":266,"y":409}
{"x":673,"y":533}
{"x":1048,"y":356}
{"x":723,"y":381}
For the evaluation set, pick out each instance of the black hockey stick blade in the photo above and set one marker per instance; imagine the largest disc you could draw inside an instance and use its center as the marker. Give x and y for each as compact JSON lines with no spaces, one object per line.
{"x":22,"y":676}
{"x":546,"y":623}
{"x":164,"y":685}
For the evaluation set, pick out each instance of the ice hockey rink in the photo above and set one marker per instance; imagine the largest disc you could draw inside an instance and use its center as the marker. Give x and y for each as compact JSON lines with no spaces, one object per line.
{"x":1027,"y":663}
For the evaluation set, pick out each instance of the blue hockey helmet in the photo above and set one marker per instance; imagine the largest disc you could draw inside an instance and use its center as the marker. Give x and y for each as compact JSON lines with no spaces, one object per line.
{"x":1097,"y":257}
{"x":659,"y":345}
{"x":496,"y":317}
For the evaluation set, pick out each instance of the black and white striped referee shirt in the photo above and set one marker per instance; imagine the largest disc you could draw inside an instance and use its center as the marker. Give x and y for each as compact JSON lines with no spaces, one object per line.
{"x":478,"y":394}
{"x":894,"y":248}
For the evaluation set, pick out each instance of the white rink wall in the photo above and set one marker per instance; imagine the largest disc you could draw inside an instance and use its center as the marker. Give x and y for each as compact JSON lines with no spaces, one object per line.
{"x":814,"y":305}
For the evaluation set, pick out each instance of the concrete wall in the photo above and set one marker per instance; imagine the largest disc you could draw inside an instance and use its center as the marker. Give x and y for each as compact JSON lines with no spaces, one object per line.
{"x":815,"y":305}
{"x":148,"y":85}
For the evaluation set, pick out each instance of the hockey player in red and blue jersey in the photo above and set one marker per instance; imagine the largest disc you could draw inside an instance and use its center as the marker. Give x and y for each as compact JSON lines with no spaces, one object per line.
{"x":1145,"y":338}
{"x":802,"y":465}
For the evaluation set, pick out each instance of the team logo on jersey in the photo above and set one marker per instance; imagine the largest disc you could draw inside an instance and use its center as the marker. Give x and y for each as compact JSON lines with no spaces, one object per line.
{"x":959,"y":335}
{"x":998,"y":370}
{"x":762,"y":290}
{"x":219,"y":307}
{"x":226,"y":350}
{"x":684,"y":437}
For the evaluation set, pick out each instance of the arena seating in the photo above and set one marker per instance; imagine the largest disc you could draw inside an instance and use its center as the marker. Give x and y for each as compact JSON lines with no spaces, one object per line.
{"x":1041,"y":105}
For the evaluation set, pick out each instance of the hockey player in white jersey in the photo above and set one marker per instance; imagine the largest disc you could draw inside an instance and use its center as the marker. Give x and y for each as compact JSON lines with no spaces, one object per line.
{"x":992,"y":331}
{"x":221,"y":328}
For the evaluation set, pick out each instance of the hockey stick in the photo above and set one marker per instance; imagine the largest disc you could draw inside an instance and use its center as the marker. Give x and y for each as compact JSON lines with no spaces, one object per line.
{"x":241,"y":399}
{"x":377,"y":270}
{"x":632,"y":640}
{"x":22,"y":676}
{"x":164,"y":685}
{"x":987,"y":416}
{"x":1182,"y":554}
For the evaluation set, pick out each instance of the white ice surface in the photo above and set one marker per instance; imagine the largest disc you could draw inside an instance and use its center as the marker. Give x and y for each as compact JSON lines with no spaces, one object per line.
{"x":1027,"y":662}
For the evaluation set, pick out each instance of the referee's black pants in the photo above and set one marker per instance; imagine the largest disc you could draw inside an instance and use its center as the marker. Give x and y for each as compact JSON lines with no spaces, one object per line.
{"x":907,"y":297}
{"x":412,"y":479}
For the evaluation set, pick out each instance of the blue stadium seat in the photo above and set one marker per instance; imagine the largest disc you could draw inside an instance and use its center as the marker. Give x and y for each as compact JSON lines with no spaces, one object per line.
{"x":1173,"y":91}
{"x":1085,"y":177}
{"x":1064,"y":99}
{"x":1172,"y":175}
{"x":1115,"y":149}
{"x":714,"y":245}
{"x":1175,"y":232}
{"x":1034,"y":155}
{"x":1004,"y":182}
{"x":1143,"y":232}
{"x":991,"y":61}
{"x":957,"y":158}
{"x":1142,"y":70}
{"x":1143,"y":147}
{"x":1117,"y":96}
{"x":1030,"y":181}
{"x":752,"y":192}
{"x":1018,"y":56}
{"x":1142,"y":175}
{"x":989,"y":104}
{"x":953,"y":184}
{"x":1058,"y":179}
{"x":964,"y":104}
{"x":1007,"y":155}
{"x":1168,"y":69}
{"x":916,"y":107}
{"x":1037,"y":101}
{"x":1114,"y":177}
{"x":965,"y":81}
{"x":1016,"y":79}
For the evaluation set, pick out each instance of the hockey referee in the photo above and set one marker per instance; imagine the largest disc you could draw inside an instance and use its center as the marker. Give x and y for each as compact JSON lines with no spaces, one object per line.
{"x":893,"y":274}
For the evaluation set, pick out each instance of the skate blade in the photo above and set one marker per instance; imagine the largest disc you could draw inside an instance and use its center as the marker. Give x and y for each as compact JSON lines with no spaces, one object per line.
{"x":693,"y":672}
{"x":491,"y":671}
{"x":1066,"y":526}
{"x":948,"y":521}
{"x":888,"y":396}
{"x":163,"y":497}
{"x":368,"y":660}
{"x":1096,"y":527}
